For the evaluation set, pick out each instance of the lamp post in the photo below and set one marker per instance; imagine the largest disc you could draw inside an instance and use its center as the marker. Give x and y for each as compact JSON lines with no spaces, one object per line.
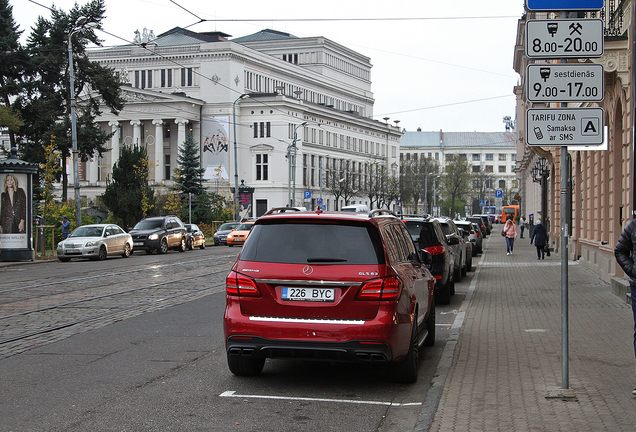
{"x":236,"y":212}
{"x":76,"y":187}
{"x":291,"y":190}
{"x":435,"y":195}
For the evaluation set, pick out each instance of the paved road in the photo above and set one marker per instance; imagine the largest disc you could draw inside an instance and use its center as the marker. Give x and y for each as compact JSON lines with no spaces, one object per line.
{"x":158,"y":365}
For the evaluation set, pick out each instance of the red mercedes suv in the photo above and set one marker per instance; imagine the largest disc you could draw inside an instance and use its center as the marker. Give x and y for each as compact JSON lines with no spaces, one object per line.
{"x":336,"y":286}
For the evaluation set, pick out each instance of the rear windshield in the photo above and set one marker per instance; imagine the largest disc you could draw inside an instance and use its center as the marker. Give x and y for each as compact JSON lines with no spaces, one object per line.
{"x":445,"y":228}
{"x":149,"y":224}
{"x":427,"y":236}
{"x":509,"y":211}
{"x":302,"y":243}
{"x":227,"y":226}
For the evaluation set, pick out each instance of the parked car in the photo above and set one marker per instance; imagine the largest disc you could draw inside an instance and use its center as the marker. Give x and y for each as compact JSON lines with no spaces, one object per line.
{"x":95,"y":242}
{"x":239,"y":234}
{"x":160,"y":233}
{"x":474,"y":235}
{"x":220,"y":235}
{"x":427,"y":235}
{"x":196,"y":238}
{"x":450,"y":231}
{"x":487,"y":222}
{"x":480,"y":222}
{"x":469,"y":251}
{"x":331,"y":286}
{"x":356,"y":208}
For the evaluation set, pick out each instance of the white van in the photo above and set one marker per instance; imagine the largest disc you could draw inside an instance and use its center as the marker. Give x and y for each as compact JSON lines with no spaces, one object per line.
{"x":359,"y":208}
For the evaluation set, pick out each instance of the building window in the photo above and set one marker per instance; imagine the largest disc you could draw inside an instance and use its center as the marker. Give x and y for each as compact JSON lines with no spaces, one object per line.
{"x":489,"y":168}
{"x":502,"y":157}
{"x":450,"y":157}
{"x":313,"y":170}
{"x":169,"y":77}
{"x":163,"y":77}
{"x":502,"y":169}
{"x":489,"y":156}
{"x":476,"y":168}
{"x":476,"y":157}
{"x":463,"y":156}
{"x":262,"y":167}
{"x":502,"y":184}
{"x":136,"y":79}
{"x":489,"y":183}
{"x":513,"y":157}
{"x":515,"y":183}
{"x":183,"y":77}
{"x":143,"y":79}
{"x":166,"y":163}
{"x":255,"y":127}
{"x":262,"y":134}
{"x":166,"y":130}
{"x":189,"y":77}
{"x":436,"y":156}
{"x":149,"y":79}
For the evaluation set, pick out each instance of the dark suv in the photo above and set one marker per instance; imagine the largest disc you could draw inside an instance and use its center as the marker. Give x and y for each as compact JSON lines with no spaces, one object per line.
{"x":337,"y":286}
{"x":451,"y":231}
{"x":159,"y":234}
{"x":427,"y":235}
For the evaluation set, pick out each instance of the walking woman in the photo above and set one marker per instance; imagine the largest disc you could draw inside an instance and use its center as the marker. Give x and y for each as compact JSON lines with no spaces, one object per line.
{"x":510,"y":231}
{"x":540,"y":237}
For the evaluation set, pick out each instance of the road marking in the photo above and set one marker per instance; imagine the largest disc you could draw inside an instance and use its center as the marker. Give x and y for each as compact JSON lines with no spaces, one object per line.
{"x":231,"y":393}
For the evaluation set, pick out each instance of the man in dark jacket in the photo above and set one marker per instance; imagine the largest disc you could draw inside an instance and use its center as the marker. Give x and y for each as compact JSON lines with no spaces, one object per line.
{"x":624,"y":252}
{"x":540,"y":238}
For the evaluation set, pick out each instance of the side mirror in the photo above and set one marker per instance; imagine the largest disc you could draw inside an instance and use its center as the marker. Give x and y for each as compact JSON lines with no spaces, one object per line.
{"x":452,"y":240}
{"x":426,"y":258}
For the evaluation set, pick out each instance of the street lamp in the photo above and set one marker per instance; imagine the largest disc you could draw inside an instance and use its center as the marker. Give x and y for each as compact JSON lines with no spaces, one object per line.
{"x":236,"y":155}
{"x":292,"y":168}
{"x":435,"y":194}
{"x":78,"y":208}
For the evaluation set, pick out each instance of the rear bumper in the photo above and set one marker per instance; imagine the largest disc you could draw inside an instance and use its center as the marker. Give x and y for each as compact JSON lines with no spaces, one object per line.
{"x":351,"y":351}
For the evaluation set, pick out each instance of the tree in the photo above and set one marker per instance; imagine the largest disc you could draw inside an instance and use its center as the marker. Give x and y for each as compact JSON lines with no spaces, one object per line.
{"x":45,"y":103}
{"x":50,"y":170}
{"x":128,"y":195}
{"x":456,"y":180}
{"x":416,"y":181}
{"x":482,"y":182}
{"x":13,"y":70}
{"x":342,"y":183}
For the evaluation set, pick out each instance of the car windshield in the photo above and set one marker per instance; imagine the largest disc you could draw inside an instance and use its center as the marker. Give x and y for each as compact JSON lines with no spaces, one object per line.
{"x":244,"y":227}
{"x":302,"y":243}
{"x":87,"y":231}
{"x":227,"y":226}
{"x":148,"y":224}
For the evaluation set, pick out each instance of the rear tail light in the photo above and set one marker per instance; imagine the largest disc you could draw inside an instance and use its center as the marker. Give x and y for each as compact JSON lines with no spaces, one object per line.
{"x":380,"y":289}
{"x":435,"y":250}
{"x":239,"y":285}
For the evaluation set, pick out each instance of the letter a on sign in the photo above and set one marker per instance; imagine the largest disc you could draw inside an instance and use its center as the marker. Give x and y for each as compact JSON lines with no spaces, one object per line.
{"x":590,"y":127}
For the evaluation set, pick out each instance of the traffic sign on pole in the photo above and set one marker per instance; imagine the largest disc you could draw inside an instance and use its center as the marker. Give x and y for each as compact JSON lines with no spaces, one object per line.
{"x":565,"y":82}
{"x":559,"y":5}
{"x":564,"y":126}
{"x":549,"y":39}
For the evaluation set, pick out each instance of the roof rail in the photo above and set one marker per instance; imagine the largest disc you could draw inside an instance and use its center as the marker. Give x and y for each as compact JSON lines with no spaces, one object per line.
{"x":280,"y":210}
{"x":378,"y":212}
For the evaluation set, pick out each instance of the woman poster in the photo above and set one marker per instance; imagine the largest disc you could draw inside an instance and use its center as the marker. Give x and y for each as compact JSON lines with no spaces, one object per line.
{"x":13,"y":205}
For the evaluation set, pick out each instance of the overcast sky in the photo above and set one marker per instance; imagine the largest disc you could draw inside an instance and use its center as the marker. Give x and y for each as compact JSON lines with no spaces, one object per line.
{"x":448,"y":67}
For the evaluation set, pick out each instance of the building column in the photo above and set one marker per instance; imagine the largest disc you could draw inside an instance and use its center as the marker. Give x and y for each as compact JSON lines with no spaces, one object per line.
{"x":114,"y":143}
{"x":181,"y":136}
{"x":158,"y":157}
{"x":136,"y":124}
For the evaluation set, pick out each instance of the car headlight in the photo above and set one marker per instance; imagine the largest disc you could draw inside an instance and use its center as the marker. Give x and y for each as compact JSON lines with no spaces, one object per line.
{"x":59,"y":245}
{"x":153,"y":237}
{"x":89,"y":244}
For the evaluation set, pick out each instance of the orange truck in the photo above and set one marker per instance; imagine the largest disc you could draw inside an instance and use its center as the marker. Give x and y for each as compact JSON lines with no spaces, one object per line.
{"x":509,"y":211}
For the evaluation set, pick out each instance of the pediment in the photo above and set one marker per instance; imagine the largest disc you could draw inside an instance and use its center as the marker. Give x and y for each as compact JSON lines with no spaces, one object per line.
{"x":262,"y":148}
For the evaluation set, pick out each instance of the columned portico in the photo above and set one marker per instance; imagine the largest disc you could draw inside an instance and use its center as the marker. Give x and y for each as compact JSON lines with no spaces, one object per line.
{"x":158,"y":156}
{"x":114,"y":142}
{"x":136,"y":124}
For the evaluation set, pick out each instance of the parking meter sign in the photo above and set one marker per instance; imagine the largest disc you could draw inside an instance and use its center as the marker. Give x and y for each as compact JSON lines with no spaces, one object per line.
{"x":550,"y":39}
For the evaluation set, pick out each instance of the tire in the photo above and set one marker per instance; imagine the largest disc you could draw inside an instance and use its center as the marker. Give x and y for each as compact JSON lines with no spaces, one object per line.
{"x":245,"y":366}
{"x":406,"y":370}
{"x":64,"y":259}
{"x":202,"y":244}
{"x":183,"y":246}
{"x":430,"y":326}
{"x":216,"y":243}
{"x":190,"y":246}
{"x":458,"y":274}
{"x":127,"y":251}
{"x":163,"y":247}
{"x":469,"y":266}
{"x":102,"y":253}
{"x":452,"y":287}
{"x":465,"y":268}
{"x":230,"y":245}
{"x":444,"y":293}
{"x":149,"y":251}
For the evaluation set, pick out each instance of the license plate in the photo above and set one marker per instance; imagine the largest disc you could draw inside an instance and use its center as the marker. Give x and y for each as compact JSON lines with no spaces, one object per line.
{"x":138,"y":244}
{"x":71,"y":251}
{"x":308,"y":294}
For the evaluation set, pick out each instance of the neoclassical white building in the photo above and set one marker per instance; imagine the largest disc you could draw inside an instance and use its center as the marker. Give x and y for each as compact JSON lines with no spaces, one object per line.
{"x":259,"y":94}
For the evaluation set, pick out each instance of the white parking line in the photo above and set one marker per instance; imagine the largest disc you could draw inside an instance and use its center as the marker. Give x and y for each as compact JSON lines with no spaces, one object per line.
{"x":231,"y":393}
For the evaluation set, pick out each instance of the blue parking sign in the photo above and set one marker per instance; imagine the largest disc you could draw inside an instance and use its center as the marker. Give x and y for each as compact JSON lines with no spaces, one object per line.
{"x":498,"y":193}
{"x":307,"y":194}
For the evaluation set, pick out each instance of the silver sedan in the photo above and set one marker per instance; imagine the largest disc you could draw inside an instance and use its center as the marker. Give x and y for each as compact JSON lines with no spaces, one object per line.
{"x":95,"y":242}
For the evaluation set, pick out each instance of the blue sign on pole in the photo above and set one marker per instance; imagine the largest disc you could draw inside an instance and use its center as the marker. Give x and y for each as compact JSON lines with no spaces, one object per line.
{"x":498,"y":193}
{"x":559,"y":5}
{"x":482,"y":203}
{"x":319,"y":200}
{"x":307,"y":194}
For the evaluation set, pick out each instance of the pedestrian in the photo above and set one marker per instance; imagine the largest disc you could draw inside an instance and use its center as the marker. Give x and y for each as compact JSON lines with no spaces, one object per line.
{"x":522,"y":224}
{"x":624,"y":252}
{"x":539,"y":237}
{"x":66,"y":227}
{"x":510,"y":231}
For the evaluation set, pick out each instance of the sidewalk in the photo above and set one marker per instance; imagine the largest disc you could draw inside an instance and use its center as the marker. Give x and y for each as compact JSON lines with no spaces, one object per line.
{"x":505,"y":372}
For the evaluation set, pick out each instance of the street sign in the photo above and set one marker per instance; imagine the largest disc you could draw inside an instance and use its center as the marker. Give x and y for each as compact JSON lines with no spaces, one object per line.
{"x":565,"y":82}
{"x":319,"y":200}
{"x":564,"y":126}
{"x":307,"y":194}
{"x":559,"y":5}
{"x":482,"y":203}
{"x":498,"y":193}
{"x":547,"y":39}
